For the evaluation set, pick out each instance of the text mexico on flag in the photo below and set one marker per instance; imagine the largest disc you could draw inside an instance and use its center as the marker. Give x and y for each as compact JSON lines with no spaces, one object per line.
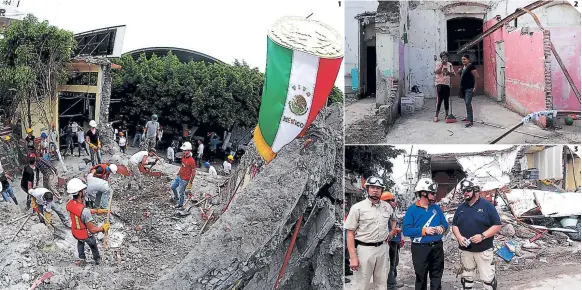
{"x":303,"y":60}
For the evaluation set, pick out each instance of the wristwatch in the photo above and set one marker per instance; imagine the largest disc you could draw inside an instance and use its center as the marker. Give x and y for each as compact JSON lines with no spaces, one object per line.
{"x":483,"y":236}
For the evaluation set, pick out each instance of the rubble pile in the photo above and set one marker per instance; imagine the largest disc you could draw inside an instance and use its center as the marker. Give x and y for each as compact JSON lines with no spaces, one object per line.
{"x":246,"y":246}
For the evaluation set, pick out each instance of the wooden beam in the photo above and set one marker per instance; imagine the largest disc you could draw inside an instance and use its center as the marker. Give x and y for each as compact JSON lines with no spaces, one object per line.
{"x":79,"y":89}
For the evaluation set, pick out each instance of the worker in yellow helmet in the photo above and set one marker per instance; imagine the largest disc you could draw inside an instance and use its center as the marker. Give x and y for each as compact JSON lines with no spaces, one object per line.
{"x":29,"y":140}
{"x":227,"y":164}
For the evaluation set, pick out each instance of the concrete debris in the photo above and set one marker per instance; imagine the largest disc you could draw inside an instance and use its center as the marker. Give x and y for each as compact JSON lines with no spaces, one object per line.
{"x":246,"y":246}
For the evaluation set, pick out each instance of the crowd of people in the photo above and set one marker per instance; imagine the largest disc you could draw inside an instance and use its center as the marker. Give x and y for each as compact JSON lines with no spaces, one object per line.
{"x":374,"y":236}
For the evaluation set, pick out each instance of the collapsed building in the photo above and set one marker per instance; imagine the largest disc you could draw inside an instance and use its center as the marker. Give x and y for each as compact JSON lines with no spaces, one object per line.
{"x":528,"y":59}
{"x":264,"y":225}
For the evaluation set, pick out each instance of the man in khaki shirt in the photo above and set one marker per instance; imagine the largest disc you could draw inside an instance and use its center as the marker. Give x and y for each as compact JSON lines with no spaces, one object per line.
{"x":367,"y":232}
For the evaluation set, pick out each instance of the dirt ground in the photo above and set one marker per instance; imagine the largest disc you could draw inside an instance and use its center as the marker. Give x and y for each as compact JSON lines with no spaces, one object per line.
{"x":420,"y":128}
{"x":561,"y":271}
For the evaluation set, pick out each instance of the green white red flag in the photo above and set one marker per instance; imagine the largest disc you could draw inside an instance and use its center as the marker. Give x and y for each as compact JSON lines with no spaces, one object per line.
{"x":303,"y":60}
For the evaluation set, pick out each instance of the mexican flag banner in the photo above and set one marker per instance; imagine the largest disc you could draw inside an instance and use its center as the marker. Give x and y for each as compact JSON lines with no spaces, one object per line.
{"x":303,"y":59}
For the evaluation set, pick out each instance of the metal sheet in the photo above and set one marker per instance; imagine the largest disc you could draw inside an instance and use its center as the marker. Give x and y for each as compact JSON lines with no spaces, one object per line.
{"x":549,"y":163}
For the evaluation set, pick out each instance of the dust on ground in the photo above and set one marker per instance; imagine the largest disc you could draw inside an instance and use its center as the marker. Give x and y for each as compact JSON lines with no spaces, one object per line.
{"x":419,"y":128}
{"x":362,"y":124}
{"x":561,"y":270}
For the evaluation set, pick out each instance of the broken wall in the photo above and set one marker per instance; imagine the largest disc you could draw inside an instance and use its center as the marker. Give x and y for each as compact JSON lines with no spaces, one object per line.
{"x":525,"y":75}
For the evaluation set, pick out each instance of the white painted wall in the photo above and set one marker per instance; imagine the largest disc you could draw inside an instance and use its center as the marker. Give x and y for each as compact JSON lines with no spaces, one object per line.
{"x":556,"y":14}
{"x":353,"y":8}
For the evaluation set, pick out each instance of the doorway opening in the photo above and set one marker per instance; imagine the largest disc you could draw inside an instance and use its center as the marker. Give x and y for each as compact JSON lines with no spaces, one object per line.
{"x":370,"y":71}
{"x":460,"y":31}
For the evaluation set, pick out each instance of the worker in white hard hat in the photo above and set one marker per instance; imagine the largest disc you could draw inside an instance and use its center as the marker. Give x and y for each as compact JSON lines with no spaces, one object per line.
{"x":367,"y":234}
{"x":92,"y":138}
{"x":103,"y":170}
{"x":475,"y":224}
{"x":186,"y":175}
{"x":425,"y":224}
{"x":82,"y":223}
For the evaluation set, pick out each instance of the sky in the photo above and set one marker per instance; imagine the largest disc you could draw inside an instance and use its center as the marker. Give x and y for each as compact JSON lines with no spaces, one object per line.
{"x":226,"y":30}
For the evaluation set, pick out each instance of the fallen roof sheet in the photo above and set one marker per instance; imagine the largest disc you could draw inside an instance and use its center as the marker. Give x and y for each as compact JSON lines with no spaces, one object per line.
{"x":551,"y":204}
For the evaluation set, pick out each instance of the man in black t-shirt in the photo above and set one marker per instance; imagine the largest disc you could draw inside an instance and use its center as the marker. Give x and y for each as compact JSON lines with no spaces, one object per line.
{"x":92,"y":138}
{"x":469,"y":75}
{"x":475,"y":224}
{"x":138,"y":135}
{"x":29,"y":140}
{"x":27,"y":181}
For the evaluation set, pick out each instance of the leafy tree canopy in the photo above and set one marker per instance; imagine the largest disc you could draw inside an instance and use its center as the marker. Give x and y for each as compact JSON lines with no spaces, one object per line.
{"x":372,"y":160}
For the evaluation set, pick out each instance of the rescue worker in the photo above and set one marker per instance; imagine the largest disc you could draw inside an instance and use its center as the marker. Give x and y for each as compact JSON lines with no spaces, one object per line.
{"x":140,"y":160}
{"x":122,"y":142}
{"x":103,"y":170}
{"x":97,"y":193}
{"x":49,"y":175}
{"x":82,"y":223}
{"x":43,"y":205}
{"x":425,"y":223}
{"x":151,"y":132}
{"x":185,"y":176}
{"x":30,"y":140}
{"x":211,"y":169}
{"x":394,"y":245}
{"x":367,"y":234}
{"x":227,"y":164}
{"x":27,"y":181}
{"x":475,"y":224}
{"x":92,"y":138}
{"x":7,"y":189}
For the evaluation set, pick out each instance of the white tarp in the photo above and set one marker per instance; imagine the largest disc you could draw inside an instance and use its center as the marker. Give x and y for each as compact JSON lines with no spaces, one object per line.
{"x":559,"y":204}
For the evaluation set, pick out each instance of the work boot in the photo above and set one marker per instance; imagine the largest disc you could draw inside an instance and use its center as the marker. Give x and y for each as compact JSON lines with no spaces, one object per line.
{"x":98,"y":261}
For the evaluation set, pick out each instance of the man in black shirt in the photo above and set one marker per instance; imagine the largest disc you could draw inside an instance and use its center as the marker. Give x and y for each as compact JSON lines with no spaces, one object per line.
{"x":92,"y":138}
{"x":138,"y":135}
{"x":475,"y":223}
{"x":29,"y":140}
{"x":469,"y":75}
{"x":27,"y":181}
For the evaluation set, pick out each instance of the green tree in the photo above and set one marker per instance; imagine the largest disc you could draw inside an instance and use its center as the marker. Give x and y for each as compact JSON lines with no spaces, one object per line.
{"x":34,"y":61}
{"x":335,"y":96}
{"x":367,"y":160}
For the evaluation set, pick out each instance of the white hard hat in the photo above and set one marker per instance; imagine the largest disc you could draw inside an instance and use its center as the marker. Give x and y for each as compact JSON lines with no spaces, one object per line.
{"x":93,"y":123}
{"x":374,"y":181}
{"x":186,"y":146}
{"x":113,"y":168}
{"x":426,"y":184}
{"x":75,"y":185}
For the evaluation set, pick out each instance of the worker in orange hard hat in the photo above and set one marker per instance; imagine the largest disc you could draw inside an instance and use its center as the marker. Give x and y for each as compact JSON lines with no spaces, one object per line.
{"x":394,"y":244}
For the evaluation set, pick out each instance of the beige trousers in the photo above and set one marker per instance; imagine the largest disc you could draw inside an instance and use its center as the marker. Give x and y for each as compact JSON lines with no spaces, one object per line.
{"x":373,"y":264}
{"x":482,"y":261}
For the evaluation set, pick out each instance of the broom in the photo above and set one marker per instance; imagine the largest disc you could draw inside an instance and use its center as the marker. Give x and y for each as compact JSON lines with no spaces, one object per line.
{"x":450,"y":117}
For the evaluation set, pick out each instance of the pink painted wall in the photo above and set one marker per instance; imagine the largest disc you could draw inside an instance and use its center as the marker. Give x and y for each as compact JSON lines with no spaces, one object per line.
{"x":524,"y":72}
{"x":566,"y":40}
{"x":489,"y":59}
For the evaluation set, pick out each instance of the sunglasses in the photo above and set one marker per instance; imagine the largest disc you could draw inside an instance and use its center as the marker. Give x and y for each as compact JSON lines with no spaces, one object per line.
{"x":431,"y":193}
{"x":468,"y":190}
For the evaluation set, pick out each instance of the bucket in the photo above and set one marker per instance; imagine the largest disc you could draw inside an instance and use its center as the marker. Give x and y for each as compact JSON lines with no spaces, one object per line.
{"x":418,"y":101}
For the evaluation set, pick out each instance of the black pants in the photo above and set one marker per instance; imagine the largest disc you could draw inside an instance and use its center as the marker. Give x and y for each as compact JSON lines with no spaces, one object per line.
{"x":92,"y":245}
{"x":428,"y":259}
{"x":443,"y":93}
{"x":28,"y":201}
{"x":393,"y":252}
{"x":83,"y":145}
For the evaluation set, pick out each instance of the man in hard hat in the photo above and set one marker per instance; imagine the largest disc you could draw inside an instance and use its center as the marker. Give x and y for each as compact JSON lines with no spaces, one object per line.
{"x":122,"y":142}
{"x":186,"y":175}
{"x":151,"y":132}
{"x":82,"y":223}
{"x":367,"y":226}
{"x":92,"y":138}
{"x":211,"y":169}
{"x":30,"y":140}
{"x":475,"y":224}
{"x":395,"y":243}
{"x":103,"y":170}
{"x":425,"y":223}
{"x":43,"y":205}
{"x":227,"y":164}
{"x":97,"y":193}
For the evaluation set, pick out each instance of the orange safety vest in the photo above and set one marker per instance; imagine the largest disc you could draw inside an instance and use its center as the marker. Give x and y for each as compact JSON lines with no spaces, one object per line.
{"x":104,"y":167}
{"x":77,"y":226}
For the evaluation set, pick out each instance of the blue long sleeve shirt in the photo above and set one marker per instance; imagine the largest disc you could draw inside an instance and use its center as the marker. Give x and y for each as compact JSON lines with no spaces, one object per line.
{"x":417,"y":219}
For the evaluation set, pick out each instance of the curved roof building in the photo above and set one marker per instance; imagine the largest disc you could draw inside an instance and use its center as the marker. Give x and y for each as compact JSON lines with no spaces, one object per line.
{"x":184,"y":55}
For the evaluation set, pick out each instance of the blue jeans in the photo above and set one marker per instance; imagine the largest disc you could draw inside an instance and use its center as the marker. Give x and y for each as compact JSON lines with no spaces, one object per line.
{"x":468,"y":105}
{"x":136,"y":138}
{"x":9,"y":192}
{"x":92,"y":152}
{"x":179,"y":188}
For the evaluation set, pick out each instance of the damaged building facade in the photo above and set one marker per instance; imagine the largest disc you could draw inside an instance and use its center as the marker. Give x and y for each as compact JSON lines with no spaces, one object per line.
{"x":398,"y":44}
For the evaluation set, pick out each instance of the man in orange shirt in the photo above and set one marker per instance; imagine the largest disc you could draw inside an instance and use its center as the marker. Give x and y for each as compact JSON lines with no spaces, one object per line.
{"x":185,"y":176}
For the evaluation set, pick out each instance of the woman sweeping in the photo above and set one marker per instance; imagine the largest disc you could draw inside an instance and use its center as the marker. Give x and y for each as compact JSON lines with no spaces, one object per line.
{"x":468,"y":77}
{"x":444,"y":70}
